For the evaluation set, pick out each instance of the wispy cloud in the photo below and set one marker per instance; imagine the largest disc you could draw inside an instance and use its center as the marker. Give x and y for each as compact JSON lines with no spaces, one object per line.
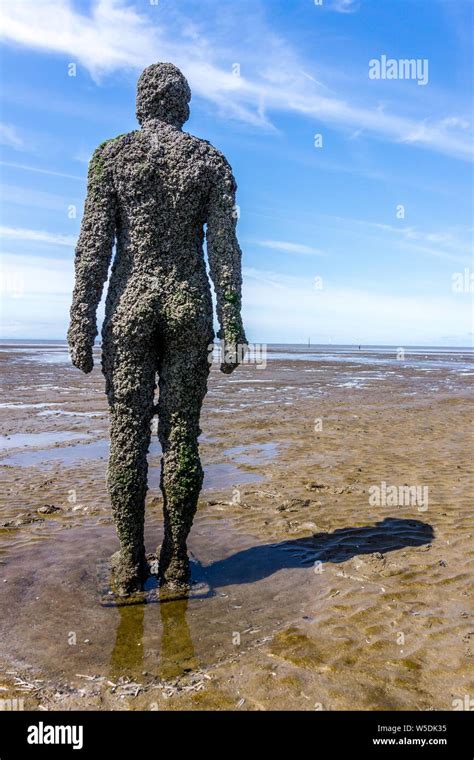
{"x":288,"y":247}
{"x":40,"y":170}
{"x":35,"y":295}
{"x":412,"y":234}
{"x":25,"y":276}
{"x":344,"y":6}
{"x":344,"y":314}
{"x":9,"y":136}
{"x":36,"y":236}
{"x":17,"y":195}
{"x":443,"y":245}
{"x":98,"y":42}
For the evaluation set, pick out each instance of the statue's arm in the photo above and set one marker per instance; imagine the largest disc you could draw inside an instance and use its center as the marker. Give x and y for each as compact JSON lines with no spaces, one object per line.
{"x":225,"y":257}
{"x":93,"y":255}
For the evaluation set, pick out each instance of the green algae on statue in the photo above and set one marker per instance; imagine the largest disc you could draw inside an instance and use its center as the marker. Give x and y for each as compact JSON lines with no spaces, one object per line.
{"x":152,"y":192}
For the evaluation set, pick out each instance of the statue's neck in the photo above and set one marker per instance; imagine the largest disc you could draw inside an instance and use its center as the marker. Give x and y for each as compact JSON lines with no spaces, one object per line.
{"x":154,"y":123}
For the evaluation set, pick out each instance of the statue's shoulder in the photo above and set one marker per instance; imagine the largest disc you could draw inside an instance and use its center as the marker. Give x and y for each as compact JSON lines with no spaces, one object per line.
{"x":102,"y":163}
{"x":212,"y":156}
{"x":109,"y":149}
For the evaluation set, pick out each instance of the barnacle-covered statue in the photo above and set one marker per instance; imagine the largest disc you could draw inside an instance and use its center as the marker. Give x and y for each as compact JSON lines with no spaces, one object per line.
{"x":152,"y":192}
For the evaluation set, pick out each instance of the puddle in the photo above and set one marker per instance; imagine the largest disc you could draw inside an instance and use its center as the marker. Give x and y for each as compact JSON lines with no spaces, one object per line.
{"x":218,"y":475}
{"x":34,"y":440}
{"x":67,"y":455}
{"x":351,"y":384}
{"x":19,"y":405}
{"x":62,"y":595}
{"x":253,"y":588}
{"x":253,"y":453}
{"x":64,"y":413}
{"x":59,"y":357}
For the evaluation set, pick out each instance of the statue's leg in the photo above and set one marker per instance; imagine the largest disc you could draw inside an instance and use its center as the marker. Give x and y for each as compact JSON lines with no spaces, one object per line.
{"x":129,"y":365}
{"x":183,"y":372}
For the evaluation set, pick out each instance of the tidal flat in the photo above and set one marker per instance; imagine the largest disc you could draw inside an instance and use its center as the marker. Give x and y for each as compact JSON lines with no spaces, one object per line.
{"x":308,"y":592}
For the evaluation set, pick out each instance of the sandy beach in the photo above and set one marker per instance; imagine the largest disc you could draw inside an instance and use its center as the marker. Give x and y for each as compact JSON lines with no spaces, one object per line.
{"x":332,"y":549}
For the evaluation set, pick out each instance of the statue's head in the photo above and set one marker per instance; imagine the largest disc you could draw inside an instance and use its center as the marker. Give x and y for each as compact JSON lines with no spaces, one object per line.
{"x":163,"y":93}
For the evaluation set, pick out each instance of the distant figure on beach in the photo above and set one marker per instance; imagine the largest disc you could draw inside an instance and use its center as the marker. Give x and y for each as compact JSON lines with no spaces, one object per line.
{"x":152,"y":191}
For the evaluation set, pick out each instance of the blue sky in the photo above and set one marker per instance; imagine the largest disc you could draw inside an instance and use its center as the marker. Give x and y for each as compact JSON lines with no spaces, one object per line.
{"x":327,"y":250}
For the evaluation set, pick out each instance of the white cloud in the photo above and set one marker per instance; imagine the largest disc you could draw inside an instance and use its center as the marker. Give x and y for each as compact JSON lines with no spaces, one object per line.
{"x":117,"y":36}
{"x":288,"y":247}
{"x":9,"y":136}
{"x":443,"y":245}
{"x":35,"y":296}
{"x":39,"y":170}
{"x":17,"y":195}
{"x":106,"y":40}
{"x":455,"y":121}
{"x":37,"y":236}
{"x":277,"y":307}
{"x":286,"y":308}
{"x":24,"y":276}
{"x":344,"y":6}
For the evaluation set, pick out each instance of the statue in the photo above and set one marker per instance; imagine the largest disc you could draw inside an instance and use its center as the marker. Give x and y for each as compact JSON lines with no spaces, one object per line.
{"x":152,"y":191}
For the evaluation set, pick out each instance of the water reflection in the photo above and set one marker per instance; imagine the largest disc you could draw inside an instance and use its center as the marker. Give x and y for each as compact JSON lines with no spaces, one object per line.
{"x":127,"y":654}
{"x":176,"y":651}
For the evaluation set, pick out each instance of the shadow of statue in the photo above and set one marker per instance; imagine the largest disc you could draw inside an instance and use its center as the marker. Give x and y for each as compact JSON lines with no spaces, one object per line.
{"x":258,"y":562}
{"x":176,"y":654}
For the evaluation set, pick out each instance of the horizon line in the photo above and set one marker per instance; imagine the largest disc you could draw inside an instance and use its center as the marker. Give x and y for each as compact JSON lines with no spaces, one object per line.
{"x":276,"y":343}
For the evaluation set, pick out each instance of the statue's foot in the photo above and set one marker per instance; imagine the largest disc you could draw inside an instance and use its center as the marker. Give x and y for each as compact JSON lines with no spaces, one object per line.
{"x":173,"y":570}
{"x":129,"y":573}
{"x":171,"y":591}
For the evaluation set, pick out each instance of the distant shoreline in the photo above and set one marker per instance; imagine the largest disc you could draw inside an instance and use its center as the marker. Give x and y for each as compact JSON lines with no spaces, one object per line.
{"x":312,"y":346}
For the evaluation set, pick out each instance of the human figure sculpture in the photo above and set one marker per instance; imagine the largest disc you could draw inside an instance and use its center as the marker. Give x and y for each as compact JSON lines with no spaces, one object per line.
{"x":152,"y":191}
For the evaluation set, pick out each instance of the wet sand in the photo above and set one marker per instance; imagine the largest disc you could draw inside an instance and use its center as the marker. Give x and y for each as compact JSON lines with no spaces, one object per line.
{"x":307,"y":595}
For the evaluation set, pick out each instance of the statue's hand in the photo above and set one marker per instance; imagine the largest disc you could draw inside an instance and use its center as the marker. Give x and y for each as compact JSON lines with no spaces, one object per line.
{"x":81,"y":355}
{"x":233,"y":353}
{"x":227,"y":368}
